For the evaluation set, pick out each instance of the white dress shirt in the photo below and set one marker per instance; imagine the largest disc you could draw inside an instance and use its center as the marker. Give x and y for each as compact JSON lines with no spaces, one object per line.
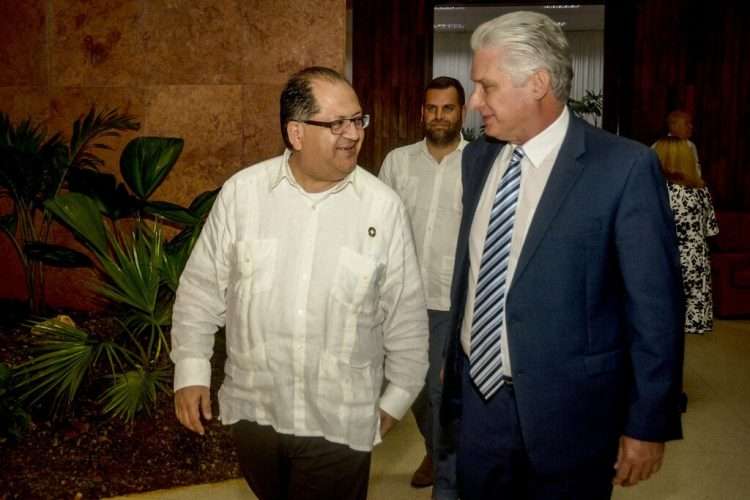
{"x":320,"y":295}
{"x":432,"y":194}
{"x":540,"y":153}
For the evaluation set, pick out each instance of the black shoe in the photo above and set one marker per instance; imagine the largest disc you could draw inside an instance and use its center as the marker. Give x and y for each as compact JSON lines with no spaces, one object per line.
{"x":683,"y":402}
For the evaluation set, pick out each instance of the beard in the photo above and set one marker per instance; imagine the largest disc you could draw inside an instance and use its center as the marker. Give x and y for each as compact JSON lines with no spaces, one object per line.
{"x":444,"y":135}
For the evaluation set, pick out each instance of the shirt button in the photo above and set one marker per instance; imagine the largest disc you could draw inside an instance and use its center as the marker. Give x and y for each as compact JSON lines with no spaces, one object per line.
{"x":300,"y":311}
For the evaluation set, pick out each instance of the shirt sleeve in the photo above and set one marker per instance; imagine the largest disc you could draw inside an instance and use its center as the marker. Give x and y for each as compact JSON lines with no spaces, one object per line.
{"x":387,"y":171}
{"x":200,"y":305}
{"x":405,"y":330}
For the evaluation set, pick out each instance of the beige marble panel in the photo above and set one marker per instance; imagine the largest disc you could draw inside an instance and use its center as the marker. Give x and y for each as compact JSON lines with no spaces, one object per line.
{"x":209,"y":119}
{"x":261,"y":133}
{"x":19,"y":103}
{"x":25,"y":102}
{"x":287,"y":35}
{"x":23,"y":51}
{"x":209,"y":71}
{"x":67,"y":104}
{"x":96,"y":42}
{"x":193,"y":41}
{"x":69,"y":288}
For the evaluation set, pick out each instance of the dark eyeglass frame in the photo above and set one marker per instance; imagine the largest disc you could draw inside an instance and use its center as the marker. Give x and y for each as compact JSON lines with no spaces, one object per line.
{"x":337,"y":127}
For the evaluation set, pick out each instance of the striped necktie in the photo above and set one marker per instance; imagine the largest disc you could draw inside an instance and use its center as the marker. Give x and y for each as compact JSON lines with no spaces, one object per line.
{"x":489,"y":303}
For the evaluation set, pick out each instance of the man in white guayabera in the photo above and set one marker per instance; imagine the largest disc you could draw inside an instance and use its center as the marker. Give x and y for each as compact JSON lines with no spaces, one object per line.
{"x":308,"y":261}
{"x":427,"y":176}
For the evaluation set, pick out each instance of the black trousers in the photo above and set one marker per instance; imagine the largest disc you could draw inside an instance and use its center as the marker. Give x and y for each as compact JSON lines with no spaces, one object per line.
{"x":286,"y":467}
{"x":493,"y":463}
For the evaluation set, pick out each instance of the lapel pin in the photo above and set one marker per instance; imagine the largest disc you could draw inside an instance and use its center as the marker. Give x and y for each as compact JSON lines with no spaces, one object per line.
{"x":371,"y":232}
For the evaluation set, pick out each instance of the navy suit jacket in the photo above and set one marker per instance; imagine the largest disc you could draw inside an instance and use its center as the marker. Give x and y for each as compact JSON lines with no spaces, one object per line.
{"x":595,"y":309}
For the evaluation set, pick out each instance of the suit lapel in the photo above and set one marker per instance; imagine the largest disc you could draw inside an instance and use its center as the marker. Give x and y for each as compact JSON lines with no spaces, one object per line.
{"x":565,"y":172}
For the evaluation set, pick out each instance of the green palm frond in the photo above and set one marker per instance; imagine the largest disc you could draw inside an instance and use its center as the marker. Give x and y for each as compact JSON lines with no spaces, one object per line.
{"x":30,"y":164}
{"x":89,"y":129}
{"x":14,"y":419}
{"x":64,"y":356}
{"x":146,"y":161}
{"x":133,"y":269}
{"x":147,"y":331}
{"x":135,"y":390}
{"x":135,"y":275}
{"x":175,"y":258}
{"x":81,"y":214}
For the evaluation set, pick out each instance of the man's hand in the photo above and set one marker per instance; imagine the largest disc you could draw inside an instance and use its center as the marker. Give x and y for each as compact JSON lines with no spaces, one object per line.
{"x":189,"y":403}
{"x":637,"y":461}
{"x":386,"y":423}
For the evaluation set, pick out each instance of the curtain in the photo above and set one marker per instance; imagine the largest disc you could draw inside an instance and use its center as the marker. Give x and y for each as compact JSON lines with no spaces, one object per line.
{"x":587,"y":50}
{"x":452,"y":57}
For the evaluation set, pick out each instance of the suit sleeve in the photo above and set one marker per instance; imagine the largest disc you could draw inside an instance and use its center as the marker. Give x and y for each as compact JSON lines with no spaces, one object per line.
{"x":654,"y":303}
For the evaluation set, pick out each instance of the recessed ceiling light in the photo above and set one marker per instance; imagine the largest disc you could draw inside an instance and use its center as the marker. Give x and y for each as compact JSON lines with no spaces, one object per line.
{"x":563,"y":6}
{"x":448,"y":27}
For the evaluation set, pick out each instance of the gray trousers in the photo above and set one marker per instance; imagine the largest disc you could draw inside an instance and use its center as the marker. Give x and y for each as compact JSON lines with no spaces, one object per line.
{"x":439,"y":441}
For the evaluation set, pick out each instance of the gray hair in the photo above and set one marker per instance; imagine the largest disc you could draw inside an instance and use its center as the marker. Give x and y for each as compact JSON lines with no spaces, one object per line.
{"x":530,"y":41}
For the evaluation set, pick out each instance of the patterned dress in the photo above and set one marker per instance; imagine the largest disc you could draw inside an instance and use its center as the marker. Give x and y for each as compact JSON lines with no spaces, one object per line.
{"x":695,"y":220}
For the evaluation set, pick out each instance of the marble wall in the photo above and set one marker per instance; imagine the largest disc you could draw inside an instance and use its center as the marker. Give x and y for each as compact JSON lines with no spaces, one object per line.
{"x":208,"y":71}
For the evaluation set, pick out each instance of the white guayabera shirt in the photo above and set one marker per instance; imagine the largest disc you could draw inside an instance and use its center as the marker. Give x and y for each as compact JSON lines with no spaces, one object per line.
{"x":321,"y":298}
{"x":432,"y":193}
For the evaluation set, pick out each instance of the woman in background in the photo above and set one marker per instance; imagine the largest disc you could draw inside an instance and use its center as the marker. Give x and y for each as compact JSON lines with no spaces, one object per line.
{"x":695,"y":221}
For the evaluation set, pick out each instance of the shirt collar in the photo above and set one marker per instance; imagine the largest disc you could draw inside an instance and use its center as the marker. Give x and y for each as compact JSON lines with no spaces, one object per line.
{"x":461,"y":144}
{"x":283,"y":171}
{"x":544,"y":143}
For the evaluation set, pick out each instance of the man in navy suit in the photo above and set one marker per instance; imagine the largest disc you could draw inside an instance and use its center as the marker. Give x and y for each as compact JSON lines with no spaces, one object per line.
{"x":566,"y":357}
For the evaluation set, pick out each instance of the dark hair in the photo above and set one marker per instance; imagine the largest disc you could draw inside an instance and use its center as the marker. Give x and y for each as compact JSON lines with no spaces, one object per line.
{"x":446,"y":82}
{"x":674,"y":117}
{"x":297,"y":100}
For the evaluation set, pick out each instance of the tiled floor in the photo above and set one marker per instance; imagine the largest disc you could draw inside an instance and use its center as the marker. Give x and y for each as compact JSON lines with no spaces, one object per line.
{"x":711,"y":463}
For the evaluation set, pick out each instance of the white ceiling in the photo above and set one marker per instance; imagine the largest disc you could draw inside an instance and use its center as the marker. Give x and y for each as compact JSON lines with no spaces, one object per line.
{"x":467,"y":18}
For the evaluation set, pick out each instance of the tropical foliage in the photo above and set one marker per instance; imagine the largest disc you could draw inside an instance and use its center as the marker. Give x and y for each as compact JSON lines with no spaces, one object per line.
{"x":590,"y":104}
{"x":140,"y":268}
{"x":14,"y":420}
{"x":35,"y":168}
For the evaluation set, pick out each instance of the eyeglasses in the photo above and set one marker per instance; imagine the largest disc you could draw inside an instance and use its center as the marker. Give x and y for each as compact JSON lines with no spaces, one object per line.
{"x":337,"y":127}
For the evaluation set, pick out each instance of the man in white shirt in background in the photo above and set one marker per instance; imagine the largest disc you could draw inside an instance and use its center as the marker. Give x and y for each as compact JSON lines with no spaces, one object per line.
{"x":309,"y":262}
{"x":427,"y":176}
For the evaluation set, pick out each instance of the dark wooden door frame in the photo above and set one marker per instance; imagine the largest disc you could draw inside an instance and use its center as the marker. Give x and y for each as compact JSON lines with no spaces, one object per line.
{"x":619,"y":28}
